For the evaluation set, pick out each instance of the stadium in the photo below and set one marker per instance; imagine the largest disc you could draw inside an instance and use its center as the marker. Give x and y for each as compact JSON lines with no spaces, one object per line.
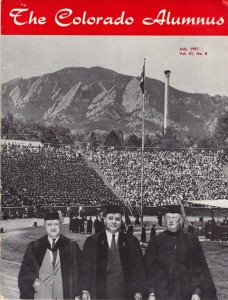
{"x":80,"y":182}
{"x":47,"y":167}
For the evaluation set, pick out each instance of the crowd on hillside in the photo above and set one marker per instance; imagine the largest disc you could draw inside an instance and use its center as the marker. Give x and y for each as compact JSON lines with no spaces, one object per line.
{"x":50,"y":176}
{"x":169,"y":177}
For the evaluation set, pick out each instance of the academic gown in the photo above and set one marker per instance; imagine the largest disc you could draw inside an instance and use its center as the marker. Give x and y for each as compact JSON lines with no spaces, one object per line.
{"x":94,"y":265}
{"x":89,"y":226}
{"x":70,"y":258}
{"x":176,"y":267}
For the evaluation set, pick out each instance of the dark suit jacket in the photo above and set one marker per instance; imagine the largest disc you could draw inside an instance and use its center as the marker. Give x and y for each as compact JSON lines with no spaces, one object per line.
{"x":70,"y":258}
{"x":94,"y":265}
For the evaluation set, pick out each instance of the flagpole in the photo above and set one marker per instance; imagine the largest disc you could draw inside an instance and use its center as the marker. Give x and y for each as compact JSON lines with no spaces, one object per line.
{"x":143,"y":129}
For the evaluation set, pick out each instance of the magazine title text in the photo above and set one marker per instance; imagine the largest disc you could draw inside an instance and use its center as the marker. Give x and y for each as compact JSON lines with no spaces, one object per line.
{"x":66,"y":17}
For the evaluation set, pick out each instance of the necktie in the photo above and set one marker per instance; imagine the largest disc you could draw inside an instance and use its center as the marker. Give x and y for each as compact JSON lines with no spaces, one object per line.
{"x":113,"y":243}
{"x":54,"y":253}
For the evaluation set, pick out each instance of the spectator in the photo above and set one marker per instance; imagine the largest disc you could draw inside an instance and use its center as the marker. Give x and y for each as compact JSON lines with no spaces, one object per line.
{"x":152,"y":231}
{"x":123,"y":227}
{"x":89,"y":225}
{"x":143,"y":234}
{"x":82,"y":225}
{"x":207,"y":229}
{"x":96,"y":225}
{"x":130,"y":229}
{"x":191,"y":228}
{"x":137,"y":222}
{"x":159,"y":219}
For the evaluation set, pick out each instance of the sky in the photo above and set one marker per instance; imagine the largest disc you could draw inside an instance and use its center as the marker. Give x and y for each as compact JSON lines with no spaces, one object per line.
{"x":28,"y":56}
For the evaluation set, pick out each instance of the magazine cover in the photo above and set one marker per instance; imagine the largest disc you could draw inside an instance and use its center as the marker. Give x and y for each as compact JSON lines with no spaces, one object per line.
{"x":114,"y":149}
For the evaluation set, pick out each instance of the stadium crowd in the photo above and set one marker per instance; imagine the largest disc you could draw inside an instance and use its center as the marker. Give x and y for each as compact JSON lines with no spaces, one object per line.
{"x":170,"y":177}
{"x":47,"y":176}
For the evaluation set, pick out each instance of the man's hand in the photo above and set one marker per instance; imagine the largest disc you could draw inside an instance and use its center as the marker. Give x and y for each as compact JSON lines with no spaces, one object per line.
{"x":36,"y":285}
{"x":138,"y":296}
{"x":86,"y":295}
{"x":195,"y":297}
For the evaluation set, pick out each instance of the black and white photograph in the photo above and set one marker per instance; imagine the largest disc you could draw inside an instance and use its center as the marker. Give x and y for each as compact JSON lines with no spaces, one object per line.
{"x":114,"y":167}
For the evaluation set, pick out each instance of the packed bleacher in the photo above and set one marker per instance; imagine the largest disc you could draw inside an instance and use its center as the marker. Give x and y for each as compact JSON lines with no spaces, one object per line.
{"x":47,"y":176}
{"x":170,"y":177}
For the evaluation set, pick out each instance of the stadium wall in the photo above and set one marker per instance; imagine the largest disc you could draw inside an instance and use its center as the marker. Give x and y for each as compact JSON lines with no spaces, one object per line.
{"x":94,"y":210}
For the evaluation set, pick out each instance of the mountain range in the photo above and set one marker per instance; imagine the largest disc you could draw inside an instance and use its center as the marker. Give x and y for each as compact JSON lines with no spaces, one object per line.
{"x":101,"y":99}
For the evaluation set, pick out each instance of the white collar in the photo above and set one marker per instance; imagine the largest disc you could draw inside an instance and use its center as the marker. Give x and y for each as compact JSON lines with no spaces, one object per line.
{"x":109,"y":237}
{"x":51,"y":240}
{"x":111,"y":234}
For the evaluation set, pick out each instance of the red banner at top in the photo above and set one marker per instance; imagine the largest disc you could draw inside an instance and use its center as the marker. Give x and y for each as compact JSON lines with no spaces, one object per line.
{"x":115,"y":17}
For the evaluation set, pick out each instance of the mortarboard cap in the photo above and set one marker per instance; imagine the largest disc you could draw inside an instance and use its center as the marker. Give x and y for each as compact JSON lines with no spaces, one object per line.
{"x":113,"y":209}
{"x":54,"y":216}
{"x":173,"y":209}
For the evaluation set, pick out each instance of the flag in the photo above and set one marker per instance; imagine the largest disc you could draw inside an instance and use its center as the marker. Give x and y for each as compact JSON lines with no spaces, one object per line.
{"x":142,"y":82}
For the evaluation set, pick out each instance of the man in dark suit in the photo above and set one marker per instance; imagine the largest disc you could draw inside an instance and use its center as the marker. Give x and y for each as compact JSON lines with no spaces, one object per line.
{"x":112,"y":263}
{"x":51,"y":265}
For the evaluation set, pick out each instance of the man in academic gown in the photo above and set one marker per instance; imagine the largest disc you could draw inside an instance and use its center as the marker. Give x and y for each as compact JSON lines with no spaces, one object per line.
{"x":176,"y":268}
{"x":112,"y":263}
{"x":89,"y":225}
{"x":51,"y":265}
{"x":152,"y":231}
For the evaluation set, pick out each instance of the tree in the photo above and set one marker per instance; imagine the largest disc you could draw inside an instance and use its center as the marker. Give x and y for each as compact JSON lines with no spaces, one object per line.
{"x":134,"y":141}
{"x":29,"y":130}
{"x":8,"y":125}
{"x":112,"y":140}
{"x":156,"y":140}
{"x":221,"y":130}
{"x":121,"y":136}
{"x":93,"y":140}
{"x":172,"y":140}
{"x":206,"y":142}
{"x":148,"y":141}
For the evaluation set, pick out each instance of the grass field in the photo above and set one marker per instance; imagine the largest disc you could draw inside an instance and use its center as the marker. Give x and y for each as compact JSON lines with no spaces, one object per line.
{"x":18,"y":235}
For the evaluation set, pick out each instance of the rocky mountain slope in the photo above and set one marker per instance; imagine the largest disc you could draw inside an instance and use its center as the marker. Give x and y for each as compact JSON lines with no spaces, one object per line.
{"x":81,"y":98}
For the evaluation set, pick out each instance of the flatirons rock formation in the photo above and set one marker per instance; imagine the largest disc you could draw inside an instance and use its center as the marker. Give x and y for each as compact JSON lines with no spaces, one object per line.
{"x":81,"y":98}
